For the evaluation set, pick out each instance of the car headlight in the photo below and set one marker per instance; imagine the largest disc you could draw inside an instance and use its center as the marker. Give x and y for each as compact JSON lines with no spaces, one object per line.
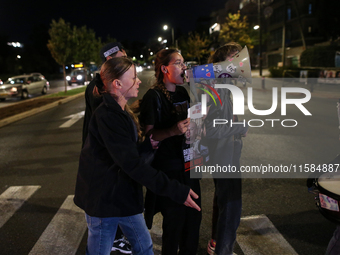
{"x":14,"y":89}
{"x":79,"y":77}
{"x":68,"y":78}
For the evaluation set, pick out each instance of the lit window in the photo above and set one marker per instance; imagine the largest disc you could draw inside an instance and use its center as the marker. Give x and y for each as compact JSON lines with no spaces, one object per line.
{"x":310,"y":9}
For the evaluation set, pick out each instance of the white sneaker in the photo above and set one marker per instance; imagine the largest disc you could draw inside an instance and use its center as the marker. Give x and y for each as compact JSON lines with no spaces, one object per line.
{"x":122,"y":245}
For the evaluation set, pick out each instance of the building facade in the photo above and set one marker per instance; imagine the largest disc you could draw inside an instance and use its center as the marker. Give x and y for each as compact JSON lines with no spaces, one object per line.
{"x":288,"y":27}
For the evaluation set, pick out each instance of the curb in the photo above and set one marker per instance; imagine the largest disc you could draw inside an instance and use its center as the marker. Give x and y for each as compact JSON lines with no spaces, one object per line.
{"x":34,"y":111}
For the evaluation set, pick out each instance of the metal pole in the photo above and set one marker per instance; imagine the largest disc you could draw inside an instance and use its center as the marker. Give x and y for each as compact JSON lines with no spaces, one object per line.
{"x":284,"y":36}
{"x":173,"y":37}
{"x":260,"y":37}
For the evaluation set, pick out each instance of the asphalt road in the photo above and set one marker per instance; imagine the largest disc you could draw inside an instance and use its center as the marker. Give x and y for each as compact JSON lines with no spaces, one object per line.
{"x":36,"y":151}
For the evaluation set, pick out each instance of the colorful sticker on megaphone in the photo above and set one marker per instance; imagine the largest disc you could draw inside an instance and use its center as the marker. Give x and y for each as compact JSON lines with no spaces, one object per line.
{"x":225,"y":75}
{"x":218,"y":69}
{"x":204,"y":71}
{"x":231,"y":68}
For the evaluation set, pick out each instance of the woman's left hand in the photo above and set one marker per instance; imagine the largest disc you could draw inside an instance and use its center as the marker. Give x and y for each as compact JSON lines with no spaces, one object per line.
{"x":191,"y":203}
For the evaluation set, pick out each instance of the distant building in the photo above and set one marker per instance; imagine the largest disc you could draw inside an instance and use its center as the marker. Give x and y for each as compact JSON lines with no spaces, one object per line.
{"x":290,"y":24}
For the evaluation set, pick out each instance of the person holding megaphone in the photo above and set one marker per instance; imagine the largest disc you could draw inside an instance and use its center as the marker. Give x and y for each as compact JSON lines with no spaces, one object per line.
{"x":225,"y":146}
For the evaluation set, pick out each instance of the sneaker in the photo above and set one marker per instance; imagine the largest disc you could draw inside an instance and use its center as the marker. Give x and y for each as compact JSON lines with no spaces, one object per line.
{"x":122,"y":245}
{"x":211,"y":247}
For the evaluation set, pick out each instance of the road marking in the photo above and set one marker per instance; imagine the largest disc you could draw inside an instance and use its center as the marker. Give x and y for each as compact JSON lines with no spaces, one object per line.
{"x":73,"y":119}
{"x":156,"y":233}
{"x":12,"y":199}
{"x":257,"y":235}
{"x":64,"y":233}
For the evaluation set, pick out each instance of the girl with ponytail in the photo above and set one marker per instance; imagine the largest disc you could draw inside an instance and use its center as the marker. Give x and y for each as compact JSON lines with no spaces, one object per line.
{"x":180,"y":224}
{"x":111,"y":172}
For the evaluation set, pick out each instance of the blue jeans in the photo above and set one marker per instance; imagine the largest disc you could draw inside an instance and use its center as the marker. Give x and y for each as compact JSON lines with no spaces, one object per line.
{"x":102,"y":231}
{"x":229,"y":201}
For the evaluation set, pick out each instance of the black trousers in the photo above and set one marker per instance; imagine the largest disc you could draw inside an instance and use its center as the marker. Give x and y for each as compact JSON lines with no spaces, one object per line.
{"x":181,"y":224}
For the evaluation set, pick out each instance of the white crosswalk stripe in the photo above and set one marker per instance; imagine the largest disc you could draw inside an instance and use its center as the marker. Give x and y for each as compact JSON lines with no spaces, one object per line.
{"x":63,"y":235}
{"x":12,"y":199}
{"x":256,"y":235}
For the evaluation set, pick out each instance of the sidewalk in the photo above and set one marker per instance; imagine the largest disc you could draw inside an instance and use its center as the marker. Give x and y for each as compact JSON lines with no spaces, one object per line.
{"x":256,"y":73}
{"x":317,"y":89}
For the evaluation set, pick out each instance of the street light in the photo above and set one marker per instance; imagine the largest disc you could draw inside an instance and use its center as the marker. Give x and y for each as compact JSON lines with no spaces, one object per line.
{"x":267,"y":13}
{"x":256,"y":27}
{"x":259,"y":9}
{"x":165,"y":27}
{"x":159,"y":39}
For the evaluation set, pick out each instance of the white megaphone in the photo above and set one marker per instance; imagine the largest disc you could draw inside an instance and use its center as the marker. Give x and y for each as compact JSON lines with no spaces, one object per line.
{"x":238,"y":67}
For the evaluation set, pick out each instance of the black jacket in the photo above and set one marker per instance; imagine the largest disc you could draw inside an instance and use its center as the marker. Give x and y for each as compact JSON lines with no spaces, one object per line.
{"x":111,"y":172}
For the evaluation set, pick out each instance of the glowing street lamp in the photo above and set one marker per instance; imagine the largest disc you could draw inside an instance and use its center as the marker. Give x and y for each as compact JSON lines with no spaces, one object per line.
{"x":256,"y":27}
{"x":160,"y":39}
{"x":165,"y":27}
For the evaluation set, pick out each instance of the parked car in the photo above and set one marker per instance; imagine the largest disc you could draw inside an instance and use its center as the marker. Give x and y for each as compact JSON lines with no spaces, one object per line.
{"x":23,"y":86}
{"x":78,"y":76}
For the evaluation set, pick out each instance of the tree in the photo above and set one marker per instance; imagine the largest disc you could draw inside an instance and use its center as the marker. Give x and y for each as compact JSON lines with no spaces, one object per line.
{"x":236,"y":29}
{"x":60,"y":44}
{"x":86,"y":46}
{"x":196,"y":46}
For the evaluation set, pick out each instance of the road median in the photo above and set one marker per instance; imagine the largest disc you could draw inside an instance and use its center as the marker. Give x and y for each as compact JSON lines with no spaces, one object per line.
{"x":25,"y":114}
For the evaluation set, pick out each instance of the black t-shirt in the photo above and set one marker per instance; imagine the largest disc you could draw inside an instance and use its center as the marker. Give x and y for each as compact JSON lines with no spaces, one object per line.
{"x":170,"y":154}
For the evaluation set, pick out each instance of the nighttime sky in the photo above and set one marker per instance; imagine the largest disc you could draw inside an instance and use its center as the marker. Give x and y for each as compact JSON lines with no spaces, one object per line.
{"x":123,"y":20}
